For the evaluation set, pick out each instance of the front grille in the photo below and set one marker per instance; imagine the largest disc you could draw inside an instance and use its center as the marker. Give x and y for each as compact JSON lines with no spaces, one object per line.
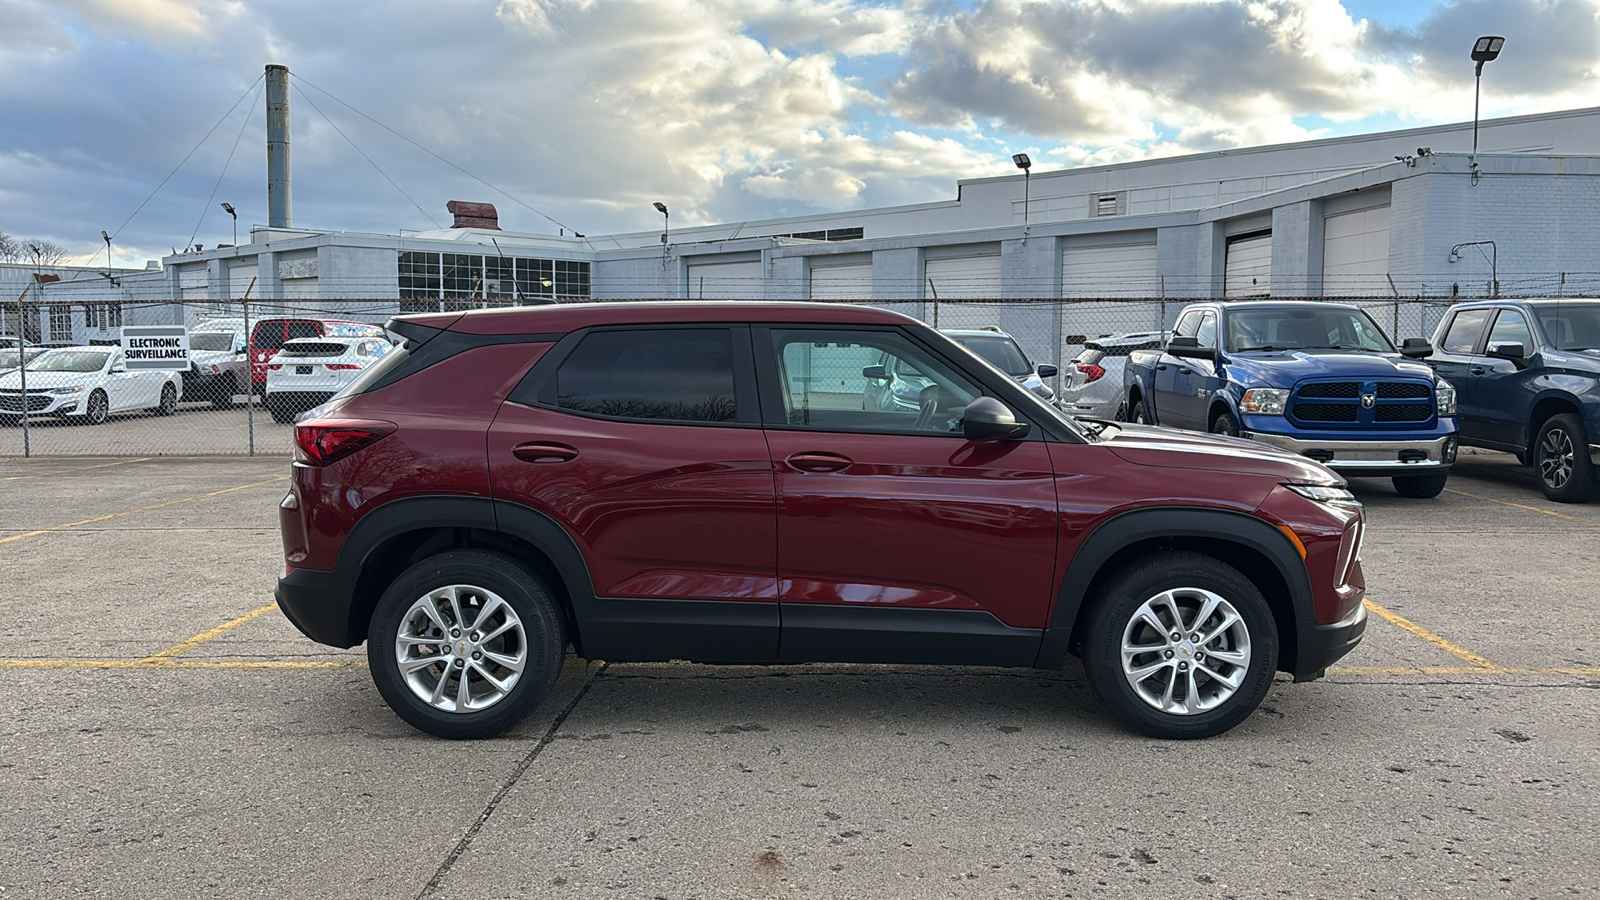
{"x":1326,"y":389}
{"x":12,"y":403}
{"x":1325,"y":412}
{"x":1405,"y":412}
{"x":1395,"y":390}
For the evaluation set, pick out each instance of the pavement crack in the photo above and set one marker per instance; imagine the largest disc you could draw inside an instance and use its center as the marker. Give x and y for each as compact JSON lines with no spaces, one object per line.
{"x":511,"y":781}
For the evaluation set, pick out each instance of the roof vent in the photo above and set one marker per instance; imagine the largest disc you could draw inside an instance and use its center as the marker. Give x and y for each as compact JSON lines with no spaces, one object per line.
{"x":474,"y":215}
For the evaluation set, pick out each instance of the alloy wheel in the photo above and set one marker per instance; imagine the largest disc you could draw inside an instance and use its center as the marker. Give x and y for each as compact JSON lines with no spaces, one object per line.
{"x":1556,"y":458}
{"x":461,"y":648}
{"x":1185,"y":651}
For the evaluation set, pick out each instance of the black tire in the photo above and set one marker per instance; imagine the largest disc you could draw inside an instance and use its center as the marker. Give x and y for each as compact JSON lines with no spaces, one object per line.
{"x":281,"y":413}
{"x":10,"y":421}
{"x":99,"y":409}
{"x":1137,"y":415}
{"x":1116,"y":615}
{"x":1420,"y":486}
{"x":222,"y":391}
{"x":1121,"y":415}
{"x":169,"y":400}
{"x":479,"y":579}
{"x":1561,"y":459}
{"x":1225,"y":425}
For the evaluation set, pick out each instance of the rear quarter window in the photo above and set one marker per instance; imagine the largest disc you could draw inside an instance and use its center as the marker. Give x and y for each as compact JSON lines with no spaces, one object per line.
{"x":683,"y":375}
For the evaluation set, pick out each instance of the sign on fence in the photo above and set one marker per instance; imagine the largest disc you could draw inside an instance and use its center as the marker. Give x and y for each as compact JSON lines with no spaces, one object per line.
{"x":158,"y":347}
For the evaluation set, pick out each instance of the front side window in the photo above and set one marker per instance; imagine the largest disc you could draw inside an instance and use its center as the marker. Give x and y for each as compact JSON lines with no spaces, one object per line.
{"x":867,"y":381}
{"x":1463,"y":334}
{"x":1188,"y":324}
{"x":680,"y":375}
{"x":1206,"y":335}
{"x":1510,"y":327}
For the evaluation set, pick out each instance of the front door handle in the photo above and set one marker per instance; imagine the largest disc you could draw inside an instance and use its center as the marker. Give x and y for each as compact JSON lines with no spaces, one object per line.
{"x":1162,"y":367}
{"x":1185,"y":371}
{"x":544,"y":452}
{"x":1476,"y":370}
{"x":818,"y":461}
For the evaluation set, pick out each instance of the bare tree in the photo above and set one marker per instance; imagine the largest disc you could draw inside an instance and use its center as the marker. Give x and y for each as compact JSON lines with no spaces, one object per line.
{"x":40,"y":252}
{"x":10,"y":249}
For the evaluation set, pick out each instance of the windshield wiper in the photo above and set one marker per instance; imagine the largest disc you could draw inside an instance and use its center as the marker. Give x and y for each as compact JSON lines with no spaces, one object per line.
{"x":1261,"y":347}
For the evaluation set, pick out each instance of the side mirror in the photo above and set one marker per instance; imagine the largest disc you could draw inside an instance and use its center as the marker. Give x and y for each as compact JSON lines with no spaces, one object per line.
{"x":875,"y":373}
{"x":1048,"y":371}
{"x":987,"y":419}
{"x":1190,"y":347}
{"x":1513,"y":352}
{"x":1416,"y":348}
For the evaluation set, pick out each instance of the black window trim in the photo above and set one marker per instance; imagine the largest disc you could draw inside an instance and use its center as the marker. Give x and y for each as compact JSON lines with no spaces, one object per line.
{"x":538,"y":387}
{"x":1490,"y":314}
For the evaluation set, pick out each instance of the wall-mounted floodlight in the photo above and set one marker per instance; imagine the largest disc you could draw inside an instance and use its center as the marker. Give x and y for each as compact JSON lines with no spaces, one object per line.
{"x":1493,"y":257}
{"x":1025,"y":164}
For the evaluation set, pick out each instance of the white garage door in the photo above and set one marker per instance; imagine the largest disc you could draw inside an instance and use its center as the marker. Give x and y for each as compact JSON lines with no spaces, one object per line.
{"x":726,"y":281}
{"x":1355,"y":252}
{"x":1249,"y":266}
{"x":1125,"y":271}
{"x":964,"y":276}
{"x":239,"y":278}
{"x":852,"y":282}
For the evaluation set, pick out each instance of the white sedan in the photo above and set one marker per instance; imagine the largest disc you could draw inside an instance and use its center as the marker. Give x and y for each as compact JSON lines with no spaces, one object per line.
{"x":307,"y":372}
{"x":87,"y":384}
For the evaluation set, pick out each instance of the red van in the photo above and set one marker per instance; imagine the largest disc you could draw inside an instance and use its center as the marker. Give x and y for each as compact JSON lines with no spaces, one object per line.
{"x":268,"y":335}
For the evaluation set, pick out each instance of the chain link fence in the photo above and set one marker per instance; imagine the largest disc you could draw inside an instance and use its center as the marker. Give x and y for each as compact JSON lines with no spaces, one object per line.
{"x":219,"y":406}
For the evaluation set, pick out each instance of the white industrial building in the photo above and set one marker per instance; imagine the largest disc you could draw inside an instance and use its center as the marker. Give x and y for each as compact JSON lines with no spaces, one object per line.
{"x":1406,"y":214}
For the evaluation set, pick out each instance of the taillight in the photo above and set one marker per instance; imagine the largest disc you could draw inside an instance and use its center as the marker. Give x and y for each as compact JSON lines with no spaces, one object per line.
{"x":1094,"y":372}
{"x":275,"y":368}
{"x":338,"y":366}
{"x":323,"y":441}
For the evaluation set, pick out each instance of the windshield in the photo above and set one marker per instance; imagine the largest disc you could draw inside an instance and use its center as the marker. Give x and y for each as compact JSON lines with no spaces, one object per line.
{"x":211,"y":340}
{"x":70,"y":361}
{"x":9,"y":359}
{"x":1304,"y":329}
{"x":1571,"y":327}
{"x":1000,"y":352}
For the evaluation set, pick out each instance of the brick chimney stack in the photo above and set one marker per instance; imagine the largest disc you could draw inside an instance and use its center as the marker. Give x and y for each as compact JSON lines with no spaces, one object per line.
{"x":474,"y":215}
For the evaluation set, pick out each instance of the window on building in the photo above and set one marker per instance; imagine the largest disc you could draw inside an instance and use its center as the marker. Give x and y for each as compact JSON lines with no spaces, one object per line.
{"x":681,"y":374}
{"x":572,"y":278}
{"x":419,"y":276}
{"x":467,"y":281}
{"x":60,"y":322}
{"x":536,"y":279}
{"x":114,"y":315}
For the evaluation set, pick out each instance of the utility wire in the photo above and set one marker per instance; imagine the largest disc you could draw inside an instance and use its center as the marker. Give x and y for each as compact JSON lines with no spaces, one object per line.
{"x":224,"y":173}
{"x":447,"y":162}
{"x":364,"y":156}
{"x":186,"y":156}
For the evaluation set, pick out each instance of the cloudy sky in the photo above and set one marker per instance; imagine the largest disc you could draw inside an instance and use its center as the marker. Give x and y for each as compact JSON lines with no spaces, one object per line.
{"x":586,"y":111}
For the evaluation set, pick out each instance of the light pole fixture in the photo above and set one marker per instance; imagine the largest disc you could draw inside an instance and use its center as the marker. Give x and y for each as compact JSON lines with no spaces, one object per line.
{"x":107,"y":238}
{"x":1025,"y":164}
{"x":666,"y":229}
{"x":1494,"y":262}
{"x":1484,"y":49}
{"x":228,"y":208}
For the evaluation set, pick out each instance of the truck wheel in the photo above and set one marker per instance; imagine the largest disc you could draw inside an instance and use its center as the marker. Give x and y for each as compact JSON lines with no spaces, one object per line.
{"x":1561,"y":459}
{"x":1181,"y":645}
{"x":222,"y":391}
{"x":1421,"y":486}
{"x":465,"y":644}
{"x":1225,"y":425}
{"x":1137,"y":416}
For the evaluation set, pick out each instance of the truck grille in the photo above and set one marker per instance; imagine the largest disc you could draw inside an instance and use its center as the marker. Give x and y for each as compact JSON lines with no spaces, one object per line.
{"x":1339,"y":403}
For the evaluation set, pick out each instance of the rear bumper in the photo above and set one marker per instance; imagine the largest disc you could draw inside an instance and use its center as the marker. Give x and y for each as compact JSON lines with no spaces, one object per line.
{"x":317,"y":603}
{"x":1369,"y":457}
{"x":1326,"y":644}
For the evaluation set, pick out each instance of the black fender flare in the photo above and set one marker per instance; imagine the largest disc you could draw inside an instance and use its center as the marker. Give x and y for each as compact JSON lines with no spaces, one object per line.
{"x":1129,"y":528}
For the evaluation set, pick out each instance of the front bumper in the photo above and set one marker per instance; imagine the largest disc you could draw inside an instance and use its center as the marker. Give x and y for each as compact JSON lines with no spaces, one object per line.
{"x":1369,"y":457}
{"x":1326,"y":644}
{"x":40,"y":403}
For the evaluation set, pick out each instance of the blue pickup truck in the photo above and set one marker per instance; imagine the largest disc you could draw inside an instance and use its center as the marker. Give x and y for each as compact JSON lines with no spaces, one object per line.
{"x":1319,"y":379}
{"x":1528,"y":377}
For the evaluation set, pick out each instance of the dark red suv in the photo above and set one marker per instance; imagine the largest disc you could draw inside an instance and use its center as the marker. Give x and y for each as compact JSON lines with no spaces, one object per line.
{"x":702,"y":481}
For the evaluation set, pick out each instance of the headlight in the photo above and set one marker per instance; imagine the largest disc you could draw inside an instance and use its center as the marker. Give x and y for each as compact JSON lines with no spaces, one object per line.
{"x":75,"y":389}
{"x":1264,"y":401}
{"x":1445,"y":396}
{"x":1323,"y":493}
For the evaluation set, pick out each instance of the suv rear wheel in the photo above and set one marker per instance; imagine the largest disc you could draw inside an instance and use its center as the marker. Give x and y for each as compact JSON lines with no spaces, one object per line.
{"x":465,"y":644}
{"x":1422,"y":486}
{"x":1181,"y":645}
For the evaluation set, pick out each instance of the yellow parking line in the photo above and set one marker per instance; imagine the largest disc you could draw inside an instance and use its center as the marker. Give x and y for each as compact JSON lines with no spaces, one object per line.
{"x":1462,"y":652}
{"x":18,"y":537}
{"x":169,"y":663}
{"x":1453,"y":670}
{"x":120,"y":462}
{"x":1548,"y":512}
{"x":204,"y":636}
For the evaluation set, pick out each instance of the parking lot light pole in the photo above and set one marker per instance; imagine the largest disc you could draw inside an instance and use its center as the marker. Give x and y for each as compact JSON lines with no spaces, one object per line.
{"x":228,"y":208}
{"x":1484,"y":49}
{"x":1026,"y":165}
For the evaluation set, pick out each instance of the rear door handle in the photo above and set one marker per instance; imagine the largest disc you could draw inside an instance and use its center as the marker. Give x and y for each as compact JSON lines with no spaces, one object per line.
{"x":818,"y":461}
{"x":1161,"y":368}
{"x":1185,"y":371}
{"x":544,"y":452}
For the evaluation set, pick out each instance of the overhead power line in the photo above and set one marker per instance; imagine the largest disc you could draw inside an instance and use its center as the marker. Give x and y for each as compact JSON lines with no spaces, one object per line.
{"x":369,"y":160}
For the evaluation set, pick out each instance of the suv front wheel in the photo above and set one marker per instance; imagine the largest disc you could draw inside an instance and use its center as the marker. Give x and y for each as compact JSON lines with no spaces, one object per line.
{"x":465,"y":644}
{"x":1181,"y":645}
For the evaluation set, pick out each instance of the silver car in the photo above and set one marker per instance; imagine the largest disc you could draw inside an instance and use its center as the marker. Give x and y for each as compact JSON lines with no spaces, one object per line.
{"x":1000,"y":350}
{"x":1092,"y":386}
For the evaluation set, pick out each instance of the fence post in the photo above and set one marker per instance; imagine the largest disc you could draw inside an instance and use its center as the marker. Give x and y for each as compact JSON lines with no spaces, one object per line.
{"x":22,"y":369}
{"x":249,"y":375}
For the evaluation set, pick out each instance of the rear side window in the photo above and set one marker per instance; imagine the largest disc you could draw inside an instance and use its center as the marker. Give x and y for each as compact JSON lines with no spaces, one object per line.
{"x":682,"y":375}
{"x":1464,"y":330}
{"x":304,"y":329}
{"x":269,"y":335}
